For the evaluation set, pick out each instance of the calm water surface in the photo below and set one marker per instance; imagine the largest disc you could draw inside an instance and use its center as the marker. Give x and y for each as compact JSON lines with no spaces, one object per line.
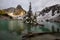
{"x":9,"y":29}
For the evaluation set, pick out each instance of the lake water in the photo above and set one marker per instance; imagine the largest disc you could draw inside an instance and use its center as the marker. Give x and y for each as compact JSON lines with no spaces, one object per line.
{"x":13,"y":29}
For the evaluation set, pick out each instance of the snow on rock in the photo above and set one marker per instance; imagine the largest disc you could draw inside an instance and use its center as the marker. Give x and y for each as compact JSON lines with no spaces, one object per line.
{"x":47,"y":16}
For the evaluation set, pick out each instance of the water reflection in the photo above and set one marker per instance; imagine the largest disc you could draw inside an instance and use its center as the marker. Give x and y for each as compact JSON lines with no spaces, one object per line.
{"x":3,"y":25}
{"x":18,"y":26}
{"x":15,"y":25}
{"x":50,"y":24}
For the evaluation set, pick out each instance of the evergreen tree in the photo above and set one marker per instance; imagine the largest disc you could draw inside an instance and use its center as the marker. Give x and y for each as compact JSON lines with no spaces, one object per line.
{"x":35,"y":20}
{"x":29,"y":15}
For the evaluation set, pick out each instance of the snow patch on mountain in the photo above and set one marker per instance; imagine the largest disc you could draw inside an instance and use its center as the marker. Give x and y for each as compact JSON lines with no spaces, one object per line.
{"x":47,"y":16}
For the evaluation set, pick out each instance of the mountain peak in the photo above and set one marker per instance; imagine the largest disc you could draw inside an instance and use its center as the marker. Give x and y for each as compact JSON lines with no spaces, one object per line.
{"x":19,"y":7}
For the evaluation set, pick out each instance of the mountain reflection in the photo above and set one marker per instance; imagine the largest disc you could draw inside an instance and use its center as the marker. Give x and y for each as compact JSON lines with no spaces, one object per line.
{"x":20,"y":27}
{"x":15,"y":25}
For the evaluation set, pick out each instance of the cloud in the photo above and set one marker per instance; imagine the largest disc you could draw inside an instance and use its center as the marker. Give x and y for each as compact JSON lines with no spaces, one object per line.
{"x":13,"y":3}
{"x":37,"y":5}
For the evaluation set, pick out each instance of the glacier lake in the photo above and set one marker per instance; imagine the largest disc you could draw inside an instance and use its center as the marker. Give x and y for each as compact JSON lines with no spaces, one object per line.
{"x":14,"y":29}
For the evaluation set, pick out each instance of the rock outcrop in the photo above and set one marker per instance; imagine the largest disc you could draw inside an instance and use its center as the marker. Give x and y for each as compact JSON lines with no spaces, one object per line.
{"x":17,"y":12}
{"x":51,"y":13}
{"x":53,"y":8}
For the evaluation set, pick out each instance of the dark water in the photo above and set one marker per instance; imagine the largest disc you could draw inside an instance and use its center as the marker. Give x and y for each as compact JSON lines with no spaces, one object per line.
{"x":10,"y":30}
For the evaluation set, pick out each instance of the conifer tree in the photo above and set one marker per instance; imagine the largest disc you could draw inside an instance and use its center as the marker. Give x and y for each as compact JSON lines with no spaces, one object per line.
{"x":29,"y":15}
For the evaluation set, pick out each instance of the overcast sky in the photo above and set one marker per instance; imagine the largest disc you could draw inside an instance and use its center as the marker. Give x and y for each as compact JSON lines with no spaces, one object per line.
{"x":37,"y":5}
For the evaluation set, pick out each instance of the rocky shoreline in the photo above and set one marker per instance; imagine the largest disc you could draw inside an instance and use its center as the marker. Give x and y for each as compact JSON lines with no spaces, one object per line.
{"x":5,"y":17}
{"x":43,"y":36}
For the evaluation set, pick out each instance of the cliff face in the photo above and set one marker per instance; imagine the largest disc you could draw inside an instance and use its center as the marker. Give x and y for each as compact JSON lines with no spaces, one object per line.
{"x":50,"y":13}
{"x":53,"y":8}
{"x":11,"y":9}
{"x":18,"y":11}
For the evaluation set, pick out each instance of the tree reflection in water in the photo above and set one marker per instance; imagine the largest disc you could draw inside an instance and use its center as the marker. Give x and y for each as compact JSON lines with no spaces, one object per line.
{"x":20,"y":27}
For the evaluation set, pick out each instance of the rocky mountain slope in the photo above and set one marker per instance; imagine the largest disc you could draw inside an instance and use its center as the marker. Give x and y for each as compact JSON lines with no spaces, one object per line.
{"x":16,"y":11}
{"x":53,"y":8}
{"x":50,"y":13}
